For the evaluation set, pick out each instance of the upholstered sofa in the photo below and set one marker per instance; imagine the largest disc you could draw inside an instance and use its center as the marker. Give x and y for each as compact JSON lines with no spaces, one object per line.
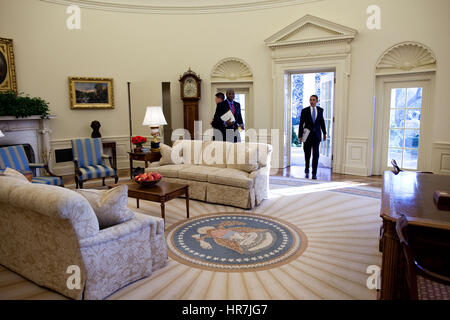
{"x":235,"y":174}
{"x":48,"y":232}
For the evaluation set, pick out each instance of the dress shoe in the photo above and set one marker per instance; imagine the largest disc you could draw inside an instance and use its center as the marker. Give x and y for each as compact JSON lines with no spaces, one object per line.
{"x":314,"y":177}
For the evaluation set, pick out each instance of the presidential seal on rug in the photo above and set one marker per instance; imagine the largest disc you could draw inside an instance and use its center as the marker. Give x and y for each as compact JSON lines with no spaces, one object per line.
{"x":235,"y":242}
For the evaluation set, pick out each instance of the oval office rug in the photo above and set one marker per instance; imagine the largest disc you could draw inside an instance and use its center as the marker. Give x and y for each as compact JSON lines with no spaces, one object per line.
{"x":235,"y":242}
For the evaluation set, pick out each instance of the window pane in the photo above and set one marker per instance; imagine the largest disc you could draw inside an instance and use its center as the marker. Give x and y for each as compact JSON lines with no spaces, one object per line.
{"x":410,"y":159}
{"x":397,"y":118}
{"x":396,"y":138}
{"x":414,"y":98}
{"x":413,"y":118}
{"x":411,"y":138}
{"x":395,"y":154}
{"x":398,"y":98}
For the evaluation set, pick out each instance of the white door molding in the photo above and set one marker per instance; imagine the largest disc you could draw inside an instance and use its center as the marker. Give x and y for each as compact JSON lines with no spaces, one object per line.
{"x":312,"y":44}
{"x":384,"y":83}
{"x":404,"y":62}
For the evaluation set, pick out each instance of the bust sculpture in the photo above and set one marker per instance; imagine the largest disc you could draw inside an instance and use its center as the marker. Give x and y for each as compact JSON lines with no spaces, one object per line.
{"x":95,"y":125}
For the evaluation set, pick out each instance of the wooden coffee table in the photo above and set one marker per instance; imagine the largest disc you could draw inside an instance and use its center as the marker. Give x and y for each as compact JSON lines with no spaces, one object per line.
{"x":161,"y":192}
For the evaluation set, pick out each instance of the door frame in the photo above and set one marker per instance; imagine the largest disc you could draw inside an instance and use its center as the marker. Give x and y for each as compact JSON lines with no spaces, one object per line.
{"x":246,"y":86}
{"x":425,"y":147}
{"x":340,"y":65}
{"x":289,"y":110}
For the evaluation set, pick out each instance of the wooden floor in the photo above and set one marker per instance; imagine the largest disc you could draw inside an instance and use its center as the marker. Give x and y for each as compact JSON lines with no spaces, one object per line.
{"x":325,"y":174}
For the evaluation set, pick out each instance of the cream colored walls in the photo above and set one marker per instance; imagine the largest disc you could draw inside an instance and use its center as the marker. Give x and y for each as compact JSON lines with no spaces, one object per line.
{"x":154,"y":48}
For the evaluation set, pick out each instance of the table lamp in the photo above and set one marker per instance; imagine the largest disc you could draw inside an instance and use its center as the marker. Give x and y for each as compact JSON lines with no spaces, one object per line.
{"x":154,"y":118}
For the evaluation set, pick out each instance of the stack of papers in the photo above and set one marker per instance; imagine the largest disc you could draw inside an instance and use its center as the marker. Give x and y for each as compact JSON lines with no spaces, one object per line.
{"x":305,"y":134}
{"x":228,"y":116}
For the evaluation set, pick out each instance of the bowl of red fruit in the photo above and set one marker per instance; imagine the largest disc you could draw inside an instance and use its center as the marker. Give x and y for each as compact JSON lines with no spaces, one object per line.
{"x":148,"y":179}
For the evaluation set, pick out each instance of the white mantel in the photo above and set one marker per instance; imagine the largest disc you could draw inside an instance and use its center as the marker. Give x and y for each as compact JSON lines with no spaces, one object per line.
{"x":32,"y":130}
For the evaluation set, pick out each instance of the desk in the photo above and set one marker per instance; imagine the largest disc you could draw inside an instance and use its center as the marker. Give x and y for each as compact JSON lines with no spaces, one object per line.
{"x":411,"y":194}
{"x":143,"y":156}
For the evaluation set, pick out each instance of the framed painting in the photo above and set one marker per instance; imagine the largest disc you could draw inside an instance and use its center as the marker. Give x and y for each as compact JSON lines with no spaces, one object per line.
{"x":7,"y":66}
{"x":91,"y":93}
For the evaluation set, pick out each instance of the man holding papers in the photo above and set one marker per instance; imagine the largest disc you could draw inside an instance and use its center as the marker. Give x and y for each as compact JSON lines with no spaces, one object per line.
{"x":311,"y":122}
{"x":228,"y":118}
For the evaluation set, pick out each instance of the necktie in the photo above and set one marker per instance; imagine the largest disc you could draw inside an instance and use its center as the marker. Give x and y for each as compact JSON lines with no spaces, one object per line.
{"x":314,"y":114}
{"x":232,"y":107}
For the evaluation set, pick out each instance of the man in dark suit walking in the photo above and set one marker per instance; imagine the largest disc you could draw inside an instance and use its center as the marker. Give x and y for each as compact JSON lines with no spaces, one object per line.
{"x":312,"y":119}
{"x":229,"y":126}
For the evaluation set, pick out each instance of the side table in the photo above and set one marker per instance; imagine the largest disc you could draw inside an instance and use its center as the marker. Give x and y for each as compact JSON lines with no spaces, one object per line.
{"x":143,"y":156}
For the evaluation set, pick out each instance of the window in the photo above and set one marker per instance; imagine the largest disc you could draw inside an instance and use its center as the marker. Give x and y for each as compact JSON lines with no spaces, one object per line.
{"x":404,"y":126}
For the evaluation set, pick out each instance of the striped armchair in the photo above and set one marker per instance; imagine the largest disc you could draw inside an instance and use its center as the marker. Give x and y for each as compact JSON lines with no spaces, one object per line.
{"x":88,"y":159}
{"x":14,"y":157}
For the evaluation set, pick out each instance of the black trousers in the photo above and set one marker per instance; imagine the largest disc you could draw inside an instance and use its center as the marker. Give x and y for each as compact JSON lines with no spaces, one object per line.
{"x":311,"y":144}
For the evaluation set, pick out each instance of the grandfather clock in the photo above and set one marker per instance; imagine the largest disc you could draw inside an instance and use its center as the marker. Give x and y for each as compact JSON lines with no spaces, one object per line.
{"x":190,"y":94}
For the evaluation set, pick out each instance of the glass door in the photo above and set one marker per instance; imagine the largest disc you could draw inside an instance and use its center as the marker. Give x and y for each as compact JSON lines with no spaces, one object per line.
{"x":326,"y":101}
{"x":402,"y":133}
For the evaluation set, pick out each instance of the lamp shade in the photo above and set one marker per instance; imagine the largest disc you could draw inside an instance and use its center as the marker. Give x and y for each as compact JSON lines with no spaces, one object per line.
{"x":154,"y":117}
{"x":1,"y":134}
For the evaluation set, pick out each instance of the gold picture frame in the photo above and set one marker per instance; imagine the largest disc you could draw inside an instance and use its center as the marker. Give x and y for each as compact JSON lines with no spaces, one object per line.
{"x":8,"y":81}
{"x":91,"y":93}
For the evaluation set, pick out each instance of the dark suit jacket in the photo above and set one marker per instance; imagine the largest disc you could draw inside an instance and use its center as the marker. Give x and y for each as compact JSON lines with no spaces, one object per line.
{"x":306,"y":122}
{"x":223,"y":108}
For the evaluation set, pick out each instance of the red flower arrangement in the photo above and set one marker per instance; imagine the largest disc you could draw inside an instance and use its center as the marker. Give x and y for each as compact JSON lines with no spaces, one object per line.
{"x":138,"y":140}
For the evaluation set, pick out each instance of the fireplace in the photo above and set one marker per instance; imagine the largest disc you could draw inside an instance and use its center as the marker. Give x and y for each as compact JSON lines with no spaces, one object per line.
{"x":32,"y":131}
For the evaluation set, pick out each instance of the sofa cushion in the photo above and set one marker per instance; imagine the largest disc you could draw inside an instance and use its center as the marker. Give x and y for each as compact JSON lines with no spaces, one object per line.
{"x":52,"y":201}
{"x":214,"y":153}
{"x":110,"y":206}
{"x":166,"y":155}
{"x":9,"y":172}
{"x":191,"y":150}
{"x":243,"y":156}
{"x":197,"y":173}
{"x":170,"y":171}
{"x":231,"y":177}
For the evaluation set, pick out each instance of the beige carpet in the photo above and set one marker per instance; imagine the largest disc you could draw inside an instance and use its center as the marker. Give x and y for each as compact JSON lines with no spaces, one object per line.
{"x":342,"y":231}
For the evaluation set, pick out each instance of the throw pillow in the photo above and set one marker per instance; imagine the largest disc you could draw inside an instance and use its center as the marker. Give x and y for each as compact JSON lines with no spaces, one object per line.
{"x":110,"y":206}
{"x":15,"y":174}
{"x":166,"y":154}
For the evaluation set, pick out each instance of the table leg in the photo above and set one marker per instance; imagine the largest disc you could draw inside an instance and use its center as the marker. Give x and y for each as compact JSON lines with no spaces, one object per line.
{"x":163,"y":212}
{"x":131,"y":168}
{"x":390,"y":263}
{"x":137,"y":203}
{"x":187,"y":202}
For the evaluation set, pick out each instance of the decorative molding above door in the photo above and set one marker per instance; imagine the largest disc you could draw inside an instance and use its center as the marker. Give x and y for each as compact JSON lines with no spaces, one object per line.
{"x":406,"y":57}
{"x":311,"y":30}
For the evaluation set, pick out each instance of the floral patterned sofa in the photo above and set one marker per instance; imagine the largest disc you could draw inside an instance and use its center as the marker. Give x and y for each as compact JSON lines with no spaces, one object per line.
{"x":235,"y":174}
{"x":44,"y":230}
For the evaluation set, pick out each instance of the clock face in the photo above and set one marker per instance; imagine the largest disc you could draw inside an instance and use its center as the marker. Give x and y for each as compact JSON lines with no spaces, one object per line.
{"x":190,"y":87}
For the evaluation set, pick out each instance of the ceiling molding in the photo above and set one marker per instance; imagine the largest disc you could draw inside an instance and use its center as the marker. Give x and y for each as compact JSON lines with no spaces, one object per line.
{"x":310,"y":30}
{"x":179,"y":6}
{"x":406,"y":57}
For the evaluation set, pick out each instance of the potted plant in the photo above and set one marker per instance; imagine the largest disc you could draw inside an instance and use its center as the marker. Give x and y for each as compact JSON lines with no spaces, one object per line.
{"x":20,"y":106}
{"x":138,"y":141}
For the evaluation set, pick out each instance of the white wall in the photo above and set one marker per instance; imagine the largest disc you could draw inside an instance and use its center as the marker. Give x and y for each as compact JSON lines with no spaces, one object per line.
{"x":156,"y":48}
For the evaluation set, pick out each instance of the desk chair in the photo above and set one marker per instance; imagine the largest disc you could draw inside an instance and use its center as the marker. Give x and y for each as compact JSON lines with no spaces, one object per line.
{"x":422,"y":283}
